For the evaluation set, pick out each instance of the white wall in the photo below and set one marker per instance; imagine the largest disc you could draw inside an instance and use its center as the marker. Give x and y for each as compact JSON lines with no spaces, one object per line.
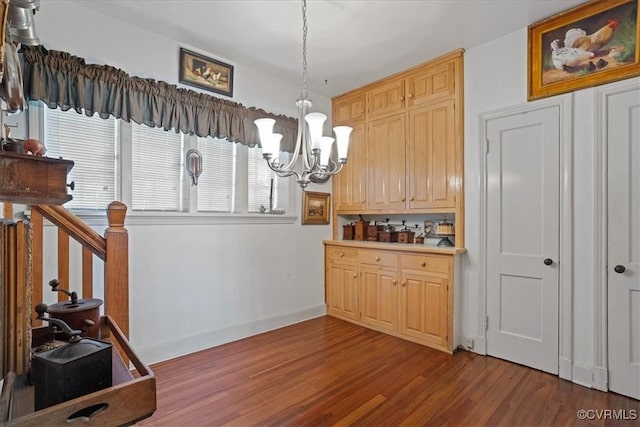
{"x":496,"y":78}
{"x":198,"y":285}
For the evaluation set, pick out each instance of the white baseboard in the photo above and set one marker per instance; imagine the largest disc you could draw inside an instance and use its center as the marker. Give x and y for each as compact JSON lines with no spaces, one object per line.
{"x":583,"y":375}
{"x":190,"y":344}
{"x":565,"y":369}
{"x":600,"y":379}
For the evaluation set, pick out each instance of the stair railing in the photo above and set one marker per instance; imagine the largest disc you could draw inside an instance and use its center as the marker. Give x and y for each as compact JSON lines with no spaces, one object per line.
{"x":113,"y":249}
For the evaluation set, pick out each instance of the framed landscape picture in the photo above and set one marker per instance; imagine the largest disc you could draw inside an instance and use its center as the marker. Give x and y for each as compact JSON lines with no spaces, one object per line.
{"x":316,"y":208}
{"x":589,"y":45}
{"x":205,"y":73}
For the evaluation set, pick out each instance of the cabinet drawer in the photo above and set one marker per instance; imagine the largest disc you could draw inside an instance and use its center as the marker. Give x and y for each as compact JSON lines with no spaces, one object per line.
{"x":334,"y":253}
{"x":425,"y":263}
{"x":379,"y":258}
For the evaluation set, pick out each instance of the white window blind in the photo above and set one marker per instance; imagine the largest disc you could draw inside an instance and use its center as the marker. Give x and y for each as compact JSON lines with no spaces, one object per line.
{"x":216,"y":184}
{"x":157,"y":175}
{"x":91,"y":143}
{"x":260,"y":182}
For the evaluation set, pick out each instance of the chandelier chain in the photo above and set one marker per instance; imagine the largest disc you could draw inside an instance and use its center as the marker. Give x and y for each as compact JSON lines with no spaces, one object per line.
{"x":304,"y":49}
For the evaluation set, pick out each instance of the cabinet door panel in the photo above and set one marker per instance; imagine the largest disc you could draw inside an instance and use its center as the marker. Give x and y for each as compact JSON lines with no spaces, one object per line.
{"x":379,"y":297}
{"x":432,"y":83}
{"x":386,"y":163}
{"x":349,"y":186}
{"x":386,"y":98}
{"x":342,"y":291}
{"x":431,"y":156}
{"x":424,"y":308}
{"x":349,"y":109}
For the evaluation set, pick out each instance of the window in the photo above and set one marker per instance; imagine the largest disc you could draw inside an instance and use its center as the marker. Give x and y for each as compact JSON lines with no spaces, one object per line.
{"x":156,"y":169}
{"x":91,"y":143}
{"x":217,"y":181}
{"x":263,"y":183}
{"x":144,"y":167}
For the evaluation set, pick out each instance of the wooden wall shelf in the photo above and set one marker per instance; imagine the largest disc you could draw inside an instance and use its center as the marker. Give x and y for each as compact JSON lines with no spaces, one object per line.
{"x":33,"y":180}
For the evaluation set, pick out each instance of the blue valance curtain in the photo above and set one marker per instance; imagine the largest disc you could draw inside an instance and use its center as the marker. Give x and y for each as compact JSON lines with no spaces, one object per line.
{"x":60,"y":79}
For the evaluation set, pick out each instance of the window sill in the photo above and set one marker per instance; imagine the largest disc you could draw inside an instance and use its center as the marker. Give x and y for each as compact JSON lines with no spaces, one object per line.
{"x":97,"y":219}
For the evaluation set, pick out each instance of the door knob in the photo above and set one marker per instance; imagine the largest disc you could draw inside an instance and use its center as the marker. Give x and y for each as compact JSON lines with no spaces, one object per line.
{"x":619,"y":269}
{"x":548,"y":261}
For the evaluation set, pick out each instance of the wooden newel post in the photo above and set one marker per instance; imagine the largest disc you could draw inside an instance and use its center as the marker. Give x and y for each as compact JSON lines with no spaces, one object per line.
{"x":116,"y":269}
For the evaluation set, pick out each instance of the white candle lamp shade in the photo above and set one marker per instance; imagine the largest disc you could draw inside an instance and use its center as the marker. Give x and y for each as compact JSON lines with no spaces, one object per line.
{"x":315,"y":122}
{"x":326,"y":144}
{"x":265,"y":128}
{"x":342,"y":141}
{"x":271,"y":145}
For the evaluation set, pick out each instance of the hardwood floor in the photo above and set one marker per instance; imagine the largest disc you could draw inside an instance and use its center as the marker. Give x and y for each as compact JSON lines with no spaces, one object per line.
{"x":328,"y":372}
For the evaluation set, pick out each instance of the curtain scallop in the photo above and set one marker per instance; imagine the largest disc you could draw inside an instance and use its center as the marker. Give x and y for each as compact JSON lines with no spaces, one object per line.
{"x":60,"y":79}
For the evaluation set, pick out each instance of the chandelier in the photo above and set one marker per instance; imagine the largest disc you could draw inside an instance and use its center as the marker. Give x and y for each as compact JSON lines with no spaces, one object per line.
{"x":315,"y":149}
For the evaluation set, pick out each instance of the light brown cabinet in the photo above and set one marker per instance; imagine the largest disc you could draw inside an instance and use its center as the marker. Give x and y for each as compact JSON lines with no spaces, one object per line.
{"x":431,"y":156}
{"x":386,"y":98}
{"x":350,"y":184}
{"x":411,"y":144}
{"x":386,"y":172}
{"x":424,"y":301}
{"x":405,"y":294}
{"x":349,"y":109}
{"x":342,"y":281}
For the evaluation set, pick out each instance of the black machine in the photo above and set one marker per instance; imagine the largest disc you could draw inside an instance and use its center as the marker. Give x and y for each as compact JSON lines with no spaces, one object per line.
{"x":77,"y":367}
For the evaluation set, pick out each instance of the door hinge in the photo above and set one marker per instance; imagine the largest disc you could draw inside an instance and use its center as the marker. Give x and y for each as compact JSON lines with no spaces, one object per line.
{"x":487,"y":147}
{"x":486,"y":323}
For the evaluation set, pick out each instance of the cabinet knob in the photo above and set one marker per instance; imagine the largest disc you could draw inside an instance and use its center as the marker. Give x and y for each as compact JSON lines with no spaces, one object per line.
{"x":404,"y":284}
{"x":394,"y":282}
{"x":423,"y":263}
{"x":401,"y":98}
{"x":410,"y":95}
{"x":377,"y":258}
{"x":403,"y":199}
{"x":355,"y":275}
{"x":411,"y":198}
{"x":341,"y":254}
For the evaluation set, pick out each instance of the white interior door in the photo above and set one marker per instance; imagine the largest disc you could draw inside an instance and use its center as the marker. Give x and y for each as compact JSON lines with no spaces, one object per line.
{"x":623,"y":252}
{"x":523,"y":191}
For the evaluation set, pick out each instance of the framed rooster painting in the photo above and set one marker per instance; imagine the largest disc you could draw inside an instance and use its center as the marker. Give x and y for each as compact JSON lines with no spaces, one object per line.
{"x":589,"y":45}
{"x":206,"y":73}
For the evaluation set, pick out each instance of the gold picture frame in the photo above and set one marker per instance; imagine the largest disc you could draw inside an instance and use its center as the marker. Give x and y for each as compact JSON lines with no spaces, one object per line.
{"x":316,"y":208}
{"x":205,"y":73}
{"x":589,"y":45}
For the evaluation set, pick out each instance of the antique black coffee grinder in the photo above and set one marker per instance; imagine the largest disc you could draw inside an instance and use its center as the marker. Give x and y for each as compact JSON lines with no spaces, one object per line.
{"x":63,"y":369}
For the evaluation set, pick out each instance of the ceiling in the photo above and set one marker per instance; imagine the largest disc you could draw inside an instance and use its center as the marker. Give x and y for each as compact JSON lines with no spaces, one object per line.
{"x":349,"y":42}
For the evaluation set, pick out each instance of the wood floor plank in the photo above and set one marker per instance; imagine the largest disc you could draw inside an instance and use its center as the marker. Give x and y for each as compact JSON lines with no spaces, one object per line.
{"x":326,"y":372}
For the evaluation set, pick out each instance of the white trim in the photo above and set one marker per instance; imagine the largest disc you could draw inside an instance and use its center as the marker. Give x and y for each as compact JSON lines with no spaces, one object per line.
{"x":583,"y":375}
{"x":190,"y":344}
{"x":173,"y":218}
{"x":600,"y":350}
{"x":600,"y":379}
{"x":565,"y":301}
{"x":565,"y":368}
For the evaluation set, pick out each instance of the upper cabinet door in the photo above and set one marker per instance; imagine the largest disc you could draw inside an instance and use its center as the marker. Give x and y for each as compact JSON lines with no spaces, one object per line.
{"x":386,"y":98}
{"x":349,"y":109}
{"x":432,"y":83}
{"x":349,"y":186}
{"x":386,"y":170}
{"x":431,"y":155}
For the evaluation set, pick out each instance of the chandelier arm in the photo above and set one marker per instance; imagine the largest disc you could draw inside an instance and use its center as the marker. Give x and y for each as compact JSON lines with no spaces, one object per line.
{"x":281,"y":172}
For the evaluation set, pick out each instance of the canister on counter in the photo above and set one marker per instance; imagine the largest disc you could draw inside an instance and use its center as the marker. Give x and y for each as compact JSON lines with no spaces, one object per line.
{"x":348,"y":232}
{"x":361,"y":229}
